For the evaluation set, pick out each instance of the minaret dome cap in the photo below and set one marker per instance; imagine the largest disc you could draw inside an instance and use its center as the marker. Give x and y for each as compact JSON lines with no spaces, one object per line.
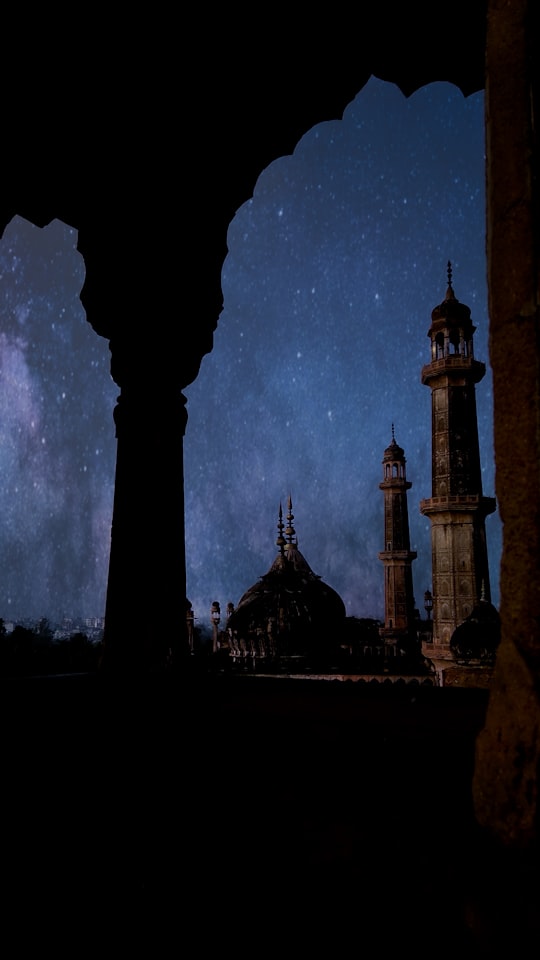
{"x":451,"y":313}
{"x":394,"y":451}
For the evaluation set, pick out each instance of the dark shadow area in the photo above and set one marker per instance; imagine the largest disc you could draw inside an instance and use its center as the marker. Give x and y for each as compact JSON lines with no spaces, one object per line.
{"x":256,"y":810}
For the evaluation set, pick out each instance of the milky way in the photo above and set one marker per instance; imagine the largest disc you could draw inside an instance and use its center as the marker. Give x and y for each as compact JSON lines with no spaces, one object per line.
{"x":334,"y":267}
{"x":57,"y":446}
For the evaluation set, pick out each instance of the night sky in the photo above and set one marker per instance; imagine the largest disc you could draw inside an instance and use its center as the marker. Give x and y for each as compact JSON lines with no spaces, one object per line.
{"x":57,"y":443}
{"x":334,"y":267}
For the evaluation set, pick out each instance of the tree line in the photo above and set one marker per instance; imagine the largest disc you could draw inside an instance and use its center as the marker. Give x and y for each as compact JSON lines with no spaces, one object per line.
{"x":34,"y":651}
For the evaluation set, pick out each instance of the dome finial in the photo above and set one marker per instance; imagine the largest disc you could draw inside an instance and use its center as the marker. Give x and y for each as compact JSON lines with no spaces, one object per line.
{"x":393,"y":436}
{"x":280,"y":542}
{"x":290,"y":532}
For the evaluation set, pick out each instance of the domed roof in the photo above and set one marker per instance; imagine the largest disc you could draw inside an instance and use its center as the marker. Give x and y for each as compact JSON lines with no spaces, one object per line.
{"x":289,"y":611}
{"x":478,"y":637}
{"x":451,"y":313}
{"x":394,"y":451}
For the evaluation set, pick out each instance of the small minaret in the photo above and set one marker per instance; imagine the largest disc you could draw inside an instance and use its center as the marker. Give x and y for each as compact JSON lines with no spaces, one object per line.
{"x":399,"y":613}
{"x":457,"y":508}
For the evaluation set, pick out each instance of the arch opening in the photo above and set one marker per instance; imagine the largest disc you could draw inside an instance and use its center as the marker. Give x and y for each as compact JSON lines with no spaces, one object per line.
{"x":58,"y":445}
{"x":333,"y":269}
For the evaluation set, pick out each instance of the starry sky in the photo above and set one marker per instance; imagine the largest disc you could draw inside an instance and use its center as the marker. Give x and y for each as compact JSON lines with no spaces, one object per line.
{"x":57,"y":443}
{"x":333,"y":268}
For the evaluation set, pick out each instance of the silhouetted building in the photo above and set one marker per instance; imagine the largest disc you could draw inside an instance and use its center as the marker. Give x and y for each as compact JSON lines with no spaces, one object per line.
{"x":289,"y":616}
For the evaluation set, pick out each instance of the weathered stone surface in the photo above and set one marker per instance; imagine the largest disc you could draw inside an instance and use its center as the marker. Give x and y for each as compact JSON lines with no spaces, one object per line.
{"x":507,"y":759}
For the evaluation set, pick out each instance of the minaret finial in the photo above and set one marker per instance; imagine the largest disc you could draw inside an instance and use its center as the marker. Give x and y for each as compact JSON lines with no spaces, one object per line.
{"x":450,"y":295}
{"x":393,"y":437}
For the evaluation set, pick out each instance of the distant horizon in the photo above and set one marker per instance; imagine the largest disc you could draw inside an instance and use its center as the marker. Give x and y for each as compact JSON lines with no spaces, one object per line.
{"x":19,"y":621}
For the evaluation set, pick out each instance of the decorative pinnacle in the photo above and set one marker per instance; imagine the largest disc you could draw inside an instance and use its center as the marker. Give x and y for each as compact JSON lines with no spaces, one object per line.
{"x":280,"y":542}
{"x":393,"y":437}
{"x":450,"y":295}
{"x":289,"y":529}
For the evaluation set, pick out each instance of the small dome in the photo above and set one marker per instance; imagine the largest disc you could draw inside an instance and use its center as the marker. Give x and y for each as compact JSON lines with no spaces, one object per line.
{"x":394,"y":452}
{"x":451,"y":313}
{"x":478,"y":637}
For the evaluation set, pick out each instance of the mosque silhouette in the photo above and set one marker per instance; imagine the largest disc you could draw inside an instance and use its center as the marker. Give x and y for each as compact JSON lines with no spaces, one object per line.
{"x":291,"y":621}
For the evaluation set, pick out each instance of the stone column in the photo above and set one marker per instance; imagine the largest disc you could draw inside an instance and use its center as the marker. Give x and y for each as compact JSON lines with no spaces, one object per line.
{"x":145,"y":616}
{"x":506,"y":775}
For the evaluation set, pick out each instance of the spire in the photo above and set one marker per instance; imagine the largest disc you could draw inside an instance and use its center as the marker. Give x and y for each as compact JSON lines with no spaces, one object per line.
{"x":289,"y":529}
{"x":451,"y":316}
{"x":393,"y":450}
{"x":450,"y":295}
{"x":280,"y":542}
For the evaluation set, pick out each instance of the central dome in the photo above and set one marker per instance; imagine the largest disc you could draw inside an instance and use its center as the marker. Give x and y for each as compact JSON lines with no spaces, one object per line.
{"x":289,"y":611}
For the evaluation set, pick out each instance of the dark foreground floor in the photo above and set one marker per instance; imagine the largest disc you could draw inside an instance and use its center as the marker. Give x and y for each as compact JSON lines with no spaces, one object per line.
{"x":254,"y":816}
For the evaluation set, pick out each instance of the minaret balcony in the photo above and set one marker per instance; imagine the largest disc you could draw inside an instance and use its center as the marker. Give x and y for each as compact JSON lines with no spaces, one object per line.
{"x":454,"y":363}
{"x":391,"y":555}
{"x":395,"y":483}
{"x":465,"y":503}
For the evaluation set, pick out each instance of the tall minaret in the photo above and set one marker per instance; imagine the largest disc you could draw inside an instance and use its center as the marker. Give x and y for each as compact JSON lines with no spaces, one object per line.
{"x":457,"y":508}
{"x":399,"y":613}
